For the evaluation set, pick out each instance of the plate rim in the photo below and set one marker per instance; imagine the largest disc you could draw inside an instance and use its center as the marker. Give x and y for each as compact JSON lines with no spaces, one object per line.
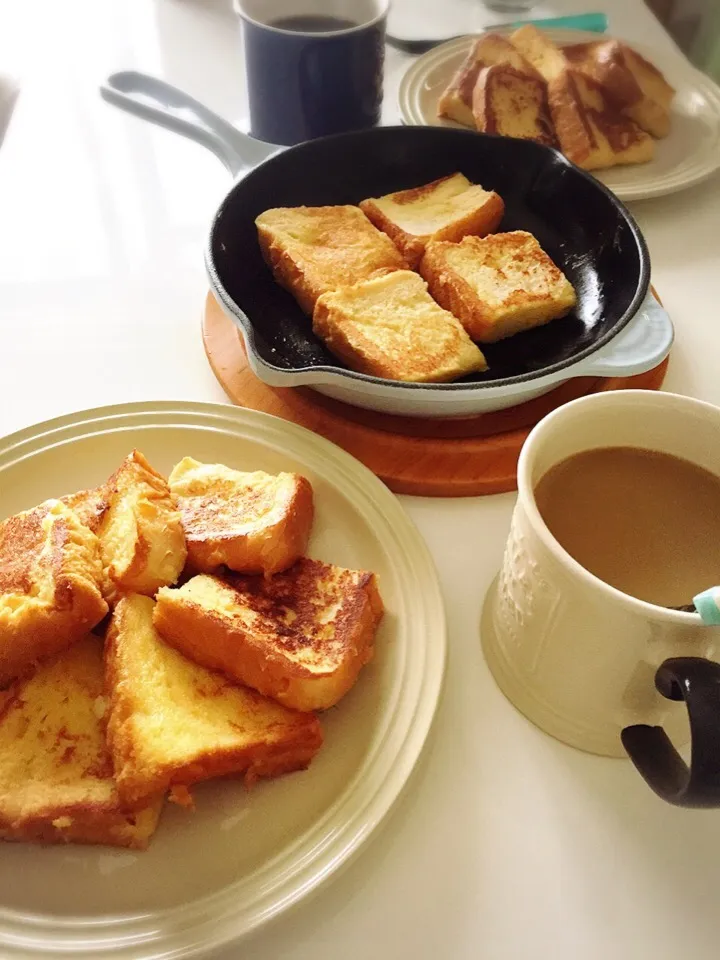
{"x":141,"y":935}
{"x":693,"y":77}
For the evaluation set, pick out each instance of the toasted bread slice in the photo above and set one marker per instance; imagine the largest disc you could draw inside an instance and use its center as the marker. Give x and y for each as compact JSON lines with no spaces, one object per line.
{"x":592,"y":133}
{"x":56,"y":774}
{"x":141,"y":535}
{"x":492,"y":48}
{"x":446,"y":209}
{"x":513,"y":104}
{"x":89,"y":506}
{"x":50,"y":575}
{"x":249,"y":522}
{"x":499,"y":285}
{"x":172,"y":723}
{"x":392,"y":328}
{"x":629,"y":81}
{"x":300,"y":637}
{"x":538,"y":49}
{"x":312,"y":250}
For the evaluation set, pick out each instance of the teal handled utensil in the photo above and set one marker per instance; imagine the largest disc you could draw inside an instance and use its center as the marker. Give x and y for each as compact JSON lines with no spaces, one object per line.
{"x":707,"y":604}
{"x":592,"y":22}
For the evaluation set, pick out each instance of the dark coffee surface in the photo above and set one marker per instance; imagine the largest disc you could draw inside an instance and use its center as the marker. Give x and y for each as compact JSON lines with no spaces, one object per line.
{"x":313,"y":23}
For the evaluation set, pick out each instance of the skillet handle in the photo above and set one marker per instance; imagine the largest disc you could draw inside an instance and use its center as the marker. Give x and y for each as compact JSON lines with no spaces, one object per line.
{"x":642,"y":345}
{"x":165,"y":105}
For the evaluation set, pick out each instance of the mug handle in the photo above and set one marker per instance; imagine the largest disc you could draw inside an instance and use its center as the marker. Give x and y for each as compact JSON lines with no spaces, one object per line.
{"x":697,"y":682}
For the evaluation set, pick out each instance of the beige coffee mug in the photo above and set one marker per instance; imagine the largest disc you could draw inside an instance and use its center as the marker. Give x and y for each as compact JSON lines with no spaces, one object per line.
{"x":578,"y":657}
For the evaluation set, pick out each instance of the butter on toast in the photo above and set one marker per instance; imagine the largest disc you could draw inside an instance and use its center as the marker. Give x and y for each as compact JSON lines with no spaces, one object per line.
{"x":392,"y":328}
{"x":491,"y":48}
{"x":446,"y":209}
{"x":499,"y":285}
{"x":56,"y":774}
{"x":593,"y":133}
{"x":50,"y":576}
{"x":312,"y":250}
{"x":512,"y":104}
{"x":249,"y":522}
{"x":629,"y":81}
{"x":300,"y":637}
{"x":172,"y":723}
{"x":141,"y":535}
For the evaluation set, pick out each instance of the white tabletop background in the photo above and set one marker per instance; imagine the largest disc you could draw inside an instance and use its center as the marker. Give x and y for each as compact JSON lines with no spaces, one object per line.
{"x":506,"y":844}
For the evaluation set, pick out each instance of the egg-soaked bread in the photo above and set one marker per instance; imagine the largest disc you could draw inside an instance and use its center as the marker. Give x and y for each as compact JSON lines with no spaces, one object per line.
{"x":172,"y":723}
{"x":300,"y":637}
{"x":497,"y":286}
{"x":250,"y":522}
{"x":50,"y":576}
{"x":56,"y":773}
{"x":312,"y":250}
{"x":392,"y":328}
{"x":446,"y":209}
{"x":141,"y":534}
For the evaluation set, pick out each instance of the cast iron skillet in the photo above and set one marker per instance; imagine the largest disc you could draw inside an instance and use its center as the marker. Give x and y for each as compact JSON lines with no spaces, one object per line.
{"x":578,"y":221}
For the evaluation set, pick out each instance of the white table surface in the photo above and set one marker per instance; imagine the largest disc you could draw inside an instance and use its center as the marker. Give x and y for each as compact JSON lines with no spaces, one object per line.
{"x":507,"y":845}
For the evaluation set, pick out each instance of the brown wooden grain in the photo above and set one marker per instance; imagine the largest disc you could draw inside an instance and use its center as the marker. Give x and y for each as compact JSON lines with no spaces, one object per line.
{"x":468,"y":457}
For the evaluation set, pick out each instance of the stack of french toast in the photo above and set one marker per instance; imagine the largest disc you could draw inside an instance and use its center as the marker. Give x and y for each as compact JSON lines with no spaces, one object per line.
{"x":405,"y":286}
{"x":601,"y":102}
{"x":158,"y":632}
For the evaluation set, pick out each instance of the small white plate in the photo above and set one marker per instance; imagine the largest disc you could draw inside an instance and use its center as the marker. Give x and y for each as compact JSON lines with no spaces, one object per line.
{"x":244,"y":856}
{"x":689,"y":154}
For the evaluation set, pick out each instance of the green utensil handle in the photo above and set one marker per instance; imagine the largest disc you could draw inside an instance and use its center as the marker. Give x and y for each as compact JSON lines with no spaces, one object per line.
{"x":594,"y":22}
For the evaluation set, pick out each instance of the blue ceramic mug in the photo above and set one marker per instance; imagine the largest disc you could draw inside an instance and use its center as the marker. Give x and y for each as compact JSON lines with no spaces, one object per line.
{"x":314,"y":67}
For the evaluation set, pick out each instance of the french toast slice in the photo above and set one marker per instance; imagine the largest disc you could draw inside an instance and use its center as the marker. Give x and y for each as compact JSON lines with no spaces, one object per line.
{"x":142,"y":540}
{"x":536,"y":47}
{"x":446,"y":209}
{"x":491,"y":48}
{"x":50,"y":577}
{"x":300,"y":637}
{"x":249,"y":522}
{"x":593,"y":133}
{"x":512,"y":104}
{"x":630,"y":82}
{"x":392,"y":328}
{"x":497,"y":286}
{"x":56,"y":773}
{"x":89,"y":506}
{"x":312,"y":250}
{"x":172,"y":723}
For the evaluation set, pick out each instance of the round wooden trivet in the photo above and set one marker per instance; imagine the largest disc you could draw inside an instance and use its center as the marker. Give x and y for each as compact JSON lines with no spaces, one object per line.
{"x":432,"y":458}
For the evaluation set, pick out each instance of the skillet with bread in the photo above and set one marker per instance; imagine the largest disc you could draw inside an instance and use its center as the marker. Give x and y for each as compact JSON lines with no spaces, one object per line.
{"x":617,"y":328}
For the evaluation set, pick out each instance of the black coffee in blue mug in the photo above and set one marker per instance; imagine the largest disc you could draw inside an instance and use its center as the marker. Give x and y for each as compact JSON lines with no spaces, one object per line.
{"x":314,"y":67}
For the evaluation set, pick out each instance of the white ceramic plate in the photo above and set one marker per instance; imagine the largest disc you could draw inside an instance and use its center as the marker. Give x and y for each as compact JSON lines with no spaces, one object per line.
{"x":688,"y":155}
{"x":244,"y":856}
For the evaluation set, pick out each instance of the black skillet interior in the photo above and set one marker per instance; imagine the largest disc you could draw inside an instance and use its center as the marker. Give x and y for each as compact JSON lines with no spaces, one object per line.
{"x":579,"y":223}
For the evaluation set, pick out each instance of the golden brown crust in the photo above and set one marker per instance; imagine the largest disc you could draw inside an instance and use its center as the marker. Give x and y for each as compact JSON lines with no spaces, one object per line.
{"x":312,"y":250}
{"x":56,"y":783}
{"x":248,"y":522}
{"x":511,"y":103}
{"x":142,"y":540}
{"x":49,"y":593}
{"x":283,"y":648}
{"x":591,"y":133}
{"x":89,"y":506}
{"x":480,"y":219}
{"x":498,"y":285}
{"x":620,"y":72}
{"x":225,"y":729}
{"x":392,"y":328}
{"x":490,"y":49}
